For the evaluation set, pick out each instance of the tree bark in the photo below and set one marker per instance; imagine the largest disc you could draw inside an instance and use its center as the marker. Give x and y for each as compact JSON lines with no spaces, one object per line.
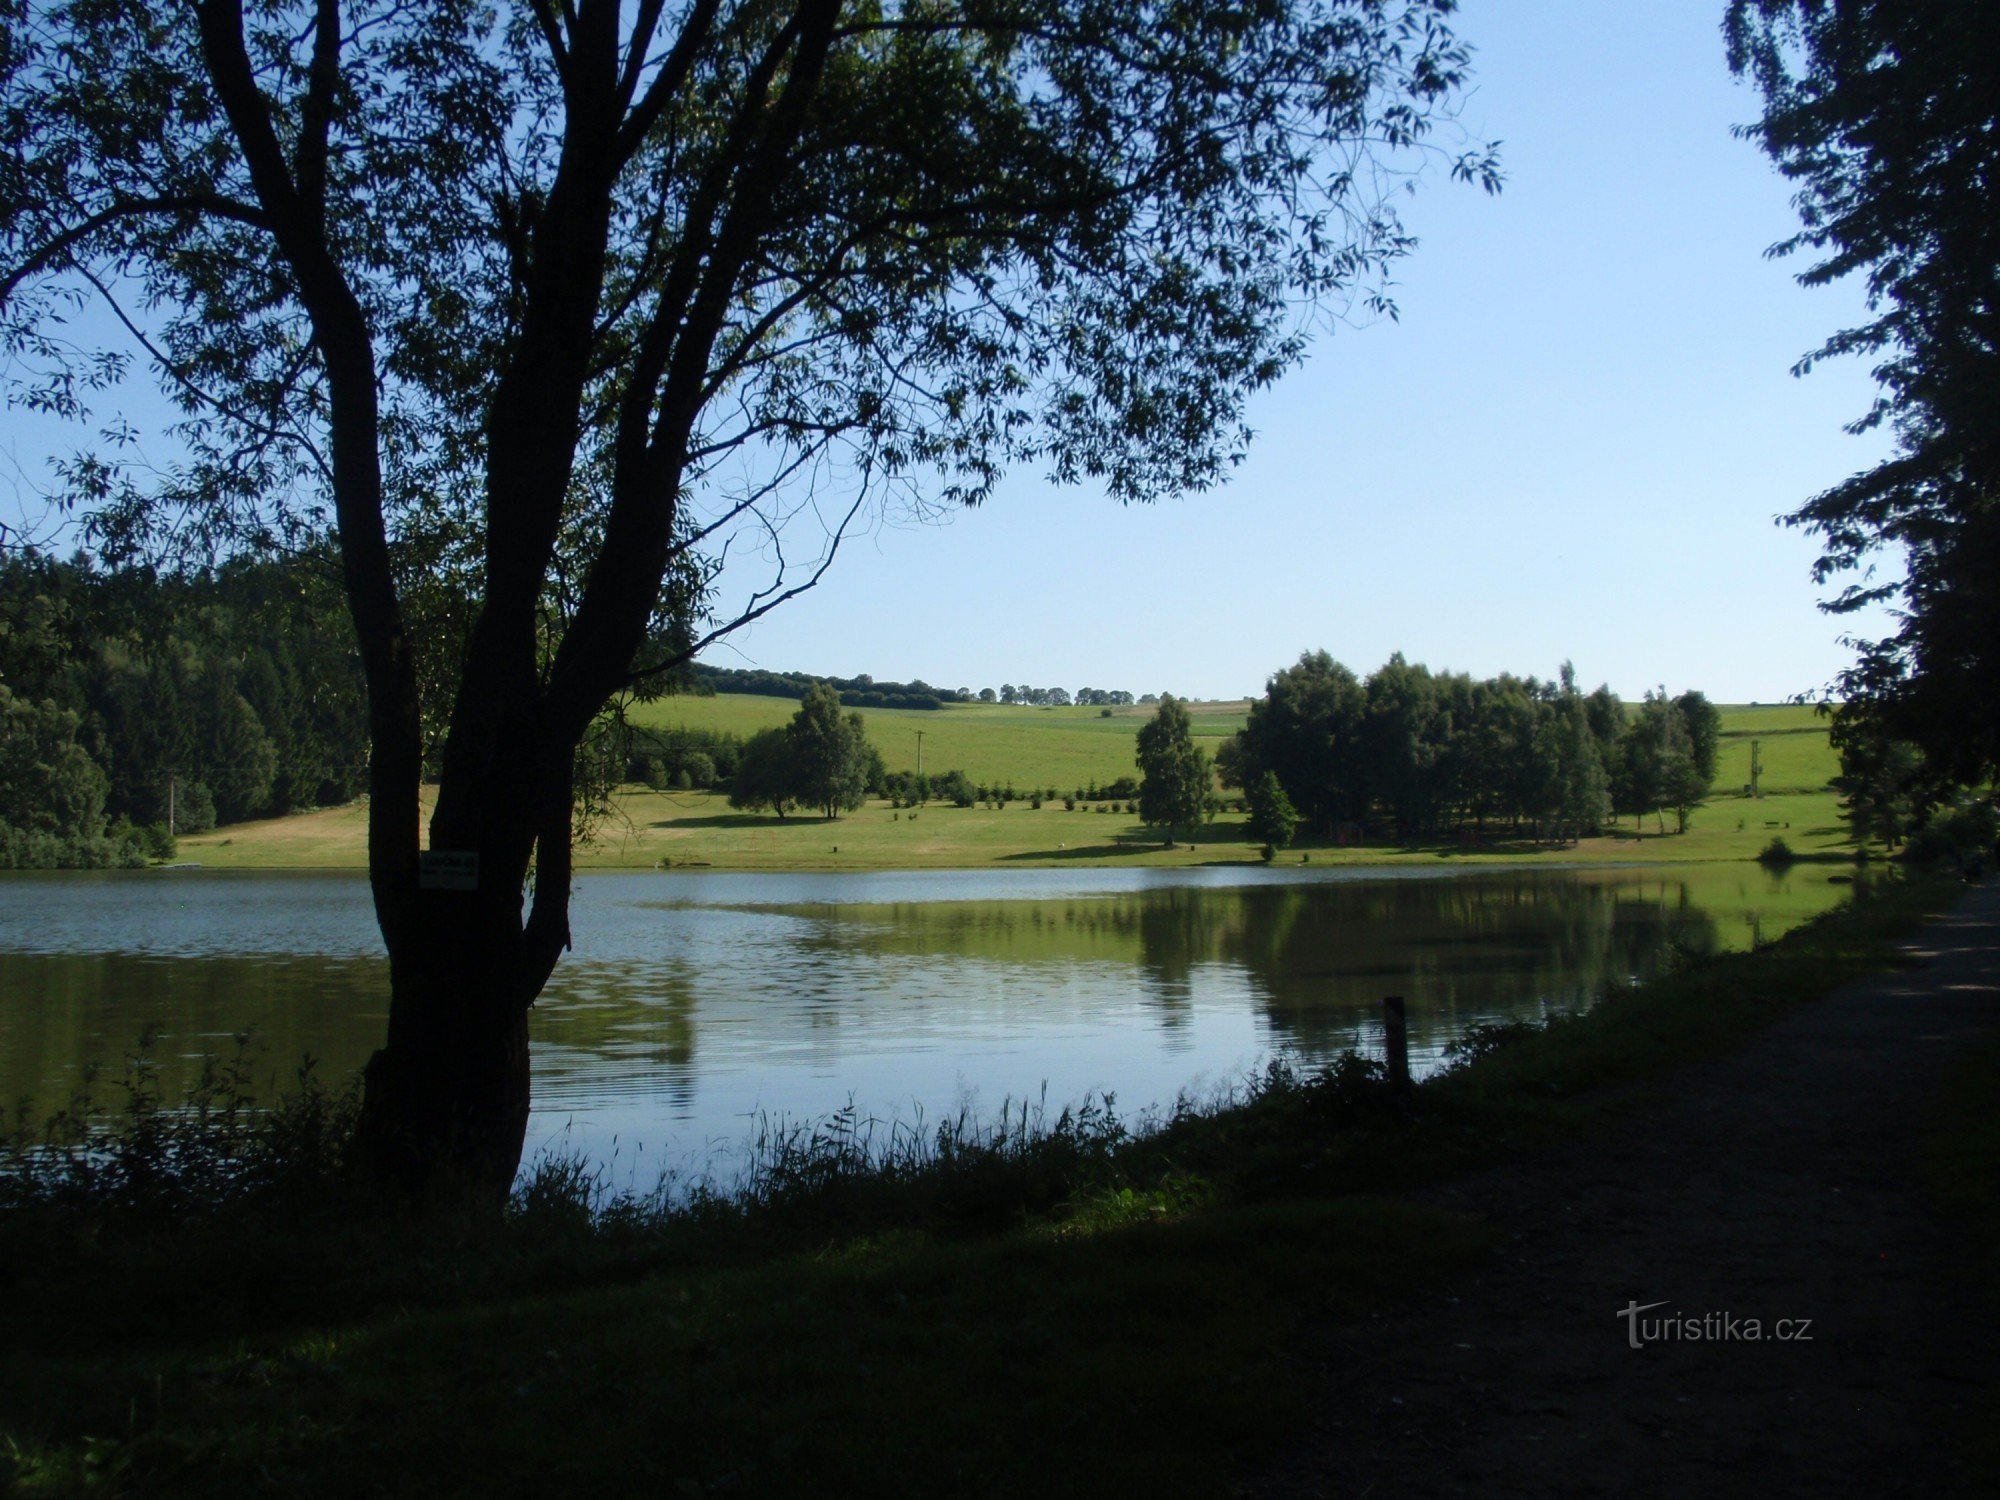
{"x":445,"y":1108}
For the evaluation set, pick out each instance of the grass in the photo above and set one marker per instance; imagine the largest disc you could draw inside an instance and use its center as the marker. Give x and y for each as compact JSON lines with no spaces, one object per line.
{"x":1068,"y":747}
{"x":1068,"y":1309}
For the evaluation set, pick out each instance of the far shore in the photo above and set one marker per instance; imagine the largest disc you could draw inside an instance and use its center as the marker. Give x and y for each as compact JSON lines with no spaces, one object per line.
{"x":649,"y":830}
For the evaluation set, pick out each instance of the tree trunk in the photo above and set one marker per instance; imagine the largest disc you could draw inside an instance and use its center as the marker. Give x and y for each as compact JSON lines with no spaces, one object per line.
{"x":445,"y":1104}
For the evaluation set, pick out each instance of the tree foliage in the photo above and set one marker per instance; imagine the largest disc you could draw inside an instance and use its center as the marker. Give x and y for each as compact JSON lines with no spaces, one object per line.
{"x":1424,"y":752}
{"x":829,"y":752}
{"x":1886,"y":115}
{"x":1272,"y":818}
{"x":1176,"y":785}
{"x":232,"y":693}
{"x":766,"y":775}
{"x":545,"y":309}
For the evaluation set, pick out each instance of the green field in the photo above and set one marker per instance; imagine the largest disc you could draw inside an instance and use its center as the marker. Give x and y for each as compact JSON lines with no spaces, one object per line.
{"x":1060,"y":747}
{"x":1066,"y":748}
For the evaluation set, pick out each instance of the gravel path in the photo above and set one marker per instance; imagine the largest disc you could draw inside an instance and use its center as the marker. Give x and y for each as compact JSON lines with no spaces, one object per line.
{"x":1773,"y":1184}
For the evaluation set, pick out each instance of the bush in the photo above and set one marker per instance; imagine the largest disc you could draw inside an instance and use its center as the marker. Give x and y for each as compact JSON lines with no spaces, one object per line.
{"x":1960,"y":836}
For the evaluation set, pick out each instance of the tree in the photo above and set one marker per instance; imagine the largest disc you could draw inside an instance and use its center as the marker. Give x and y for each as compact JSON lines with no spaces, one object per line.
{"x":1272,"y":819}
{"x":1307,"y":730}
{"x":1886,"y":114}
{"x":1882,"y":781}
{"x":1703,"y":722}
{"x":1585,"y":787}
{"x":1176,"y":788}
{"x":538,"y":306}
{"x":829,"y":753}
{"x":766,"y":774}
{"x":1659,"y":761}
{"x":48,"y":784}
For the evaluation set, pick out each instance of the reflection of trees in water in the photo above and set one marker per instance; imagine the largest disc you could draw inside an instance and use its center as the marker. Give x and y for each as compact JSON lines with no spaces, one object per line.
{"x":641,"y":1018}
{"x":1175,"y":930}
{"x":73,"y":1010}
{"x":1321,"y":957}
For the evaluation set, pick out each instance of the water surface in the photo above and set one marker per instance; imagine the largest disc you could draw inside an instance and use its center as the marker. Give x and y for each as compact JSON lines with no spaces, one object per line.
{"x":696,"y":1001}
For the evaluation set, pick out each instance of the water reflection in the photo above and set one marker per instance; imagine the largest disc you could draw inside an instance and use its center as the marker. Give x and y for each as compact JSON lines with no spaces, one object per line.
{"x":699,"y":1001}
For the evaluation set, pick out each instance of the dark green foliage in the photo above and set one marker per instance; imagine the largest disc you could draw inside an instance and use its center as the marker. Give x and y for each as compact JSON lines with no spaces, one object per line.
{"x":1418,"y":753}
{"x":1884,"y":782}
{"x":704,"y":756}
{"x":1964,"y":834}
{"x":48,"y":784}
{"x":855,"y":692}
{"x":1885,"y":115}
{"x":1176,"y":787}
{"x":1703,"y":722}
{"x":1306,"y":730}
{"x":822,"y":759}
{"x":1272,"y":818}
{"x":230,"y":693}
{"x":766,"y":774}
{"x":830,"y":753}
{"x":1659,"y":762}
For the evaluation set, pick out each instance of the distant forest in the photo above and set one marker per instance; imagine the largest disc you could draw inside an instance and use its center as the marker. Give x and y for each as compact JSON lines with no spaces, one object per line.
{"x":135,"y":704}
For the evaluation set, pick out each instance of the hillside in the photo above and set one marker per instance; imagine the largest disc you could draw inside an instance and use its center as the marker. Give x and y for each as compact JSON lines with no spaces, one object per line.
{"x":1066,"y":748}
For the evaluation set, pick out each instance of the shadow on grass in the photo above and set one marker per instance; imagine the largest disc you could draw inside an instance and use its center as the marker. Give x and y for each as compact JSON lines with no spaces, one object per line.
{"x":740,"y":820}
{"x":1080,"y":851}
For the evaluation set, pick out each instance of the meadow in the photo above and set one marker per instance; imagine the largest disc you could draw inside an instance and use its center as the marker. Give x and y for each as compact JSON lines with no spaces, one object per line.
{"x":1064,"y":748}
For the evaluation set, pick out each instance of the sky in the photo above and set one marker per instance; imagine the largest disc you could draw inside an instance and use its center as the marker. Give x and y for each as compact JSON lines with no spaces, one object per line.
{"x":1571,"y":446}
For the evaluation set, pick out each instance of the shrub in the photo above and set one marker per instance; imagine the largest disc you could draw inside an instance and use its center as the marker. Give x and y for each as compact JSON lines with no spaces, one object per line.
{"x":1777,"y":854}
{"x":1957,"y":835}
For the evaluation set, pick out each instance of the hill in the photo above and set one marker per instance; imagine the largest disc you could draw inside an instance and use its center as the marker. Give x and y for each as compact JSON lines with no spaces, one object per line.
{"x":1066,"y":748}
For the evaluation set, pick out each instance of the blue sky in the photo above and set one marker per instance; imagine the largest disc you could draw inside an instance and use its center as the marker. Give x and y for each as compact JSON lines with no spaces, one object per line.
{"x":1571,"y":446}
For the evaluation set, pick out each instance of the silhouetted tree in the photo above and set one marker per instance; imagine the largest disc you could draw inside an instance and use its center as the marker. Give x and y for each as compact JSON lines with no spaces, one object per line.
{"x":1885,"y":114}
{"x":538,"y":304}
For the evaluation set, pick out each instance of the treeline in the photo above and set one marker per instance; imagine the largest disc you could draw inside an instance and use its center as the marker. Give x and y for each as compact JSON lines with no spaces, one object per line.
{"x":139,"y":704}
{"x":853,"y":692}
{"x":865,"y":692}
{"x":1420,"y":754}
{"x":1055,"y":697}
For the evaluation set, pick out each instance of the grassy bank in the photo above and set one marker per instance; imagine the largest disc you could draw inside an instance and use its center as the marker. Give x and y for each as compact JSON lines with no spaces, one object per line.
{"x":1065,"y":1308}
{"x":1066,"y":748}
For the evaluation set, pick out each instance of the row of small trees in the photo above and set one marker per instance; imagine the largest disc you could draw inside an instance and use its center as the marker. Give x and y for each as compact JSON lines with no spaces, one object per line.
{"x":1055,"y":697}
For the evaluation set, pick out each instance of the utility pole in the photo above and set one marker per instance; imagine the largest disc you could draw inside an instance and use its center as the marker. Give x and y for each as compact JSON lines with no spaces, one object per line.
{"x":1756,"y":769}
{"x":170,"y":805}
{"x":920,"y":752}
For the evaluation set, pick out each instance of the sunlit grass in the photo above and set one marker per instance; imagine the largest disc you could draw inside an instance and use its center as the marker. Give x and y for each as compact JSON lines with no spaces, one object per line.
{"x":1066,"y":748}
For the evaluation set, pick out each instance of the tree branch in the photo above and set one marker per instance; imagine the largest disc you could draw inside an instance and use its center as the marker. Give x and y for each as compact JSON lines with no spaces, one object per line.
{"x":58,"y":248}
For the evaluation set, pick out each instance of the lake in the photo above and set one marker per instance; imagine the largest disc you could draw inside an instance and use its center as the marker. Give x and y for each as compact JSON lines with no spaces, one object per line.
{"x":696,"y":1002}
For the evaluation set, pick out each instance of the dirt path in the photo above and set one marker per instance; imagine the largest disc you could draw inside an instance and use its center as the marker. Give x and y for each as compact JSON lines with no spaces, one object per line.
{"x":1774,"y":1184}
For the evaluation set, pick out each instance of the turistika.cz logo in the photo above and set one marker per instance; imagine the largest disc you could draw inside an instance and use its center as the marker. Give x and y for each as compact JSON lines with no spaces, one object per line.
{"x":1707,"y":1328}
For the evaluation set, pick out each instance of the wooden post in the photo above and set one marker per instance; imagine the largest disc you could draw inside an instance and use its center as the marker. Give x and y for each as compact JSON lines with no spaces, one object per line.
{"x":1396,"y":1042}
